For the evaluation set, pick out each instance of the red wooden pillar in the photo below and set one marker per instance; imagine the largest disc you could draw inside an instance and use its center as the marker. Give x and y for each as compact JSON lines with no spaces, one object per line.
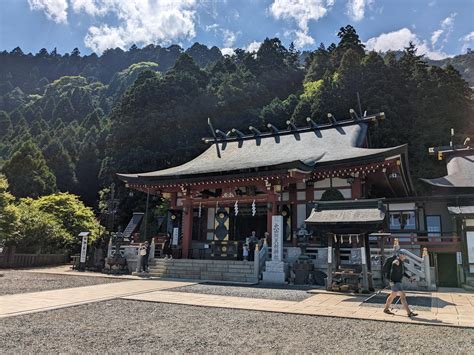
{"x":357,"y":188}
{"x":187,"y":226}
{"x":173,"y":200}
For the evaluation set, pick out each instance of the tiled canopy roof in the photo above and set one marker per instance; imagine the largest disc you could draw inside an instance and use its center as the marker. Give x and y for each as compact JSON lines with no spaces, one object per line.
{"x":461,"y":209}
{"x":343,"y":212}
{"x":460,"y":173}
{"x":304,"y":151}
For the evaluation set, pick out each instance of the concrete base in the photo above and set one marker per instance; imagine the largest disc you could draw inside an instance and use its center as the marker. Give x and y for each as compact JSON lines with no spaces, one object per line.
{"x":275,"y":272}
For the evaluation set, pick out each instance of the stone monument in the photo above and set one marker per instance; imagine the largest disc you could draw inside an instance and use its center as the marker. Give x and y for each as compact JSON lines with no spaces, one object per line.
{"x":276,"y":270}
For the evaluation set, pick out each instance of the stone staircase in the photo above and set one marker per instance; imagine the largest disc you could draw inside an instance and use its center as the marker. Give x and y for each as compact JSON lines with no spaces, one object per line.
{"x":209,"y":270}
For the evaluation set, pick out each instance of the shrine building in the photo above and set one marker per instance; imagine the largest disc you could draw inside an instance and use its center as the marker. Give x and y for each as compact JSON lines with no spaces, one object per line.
{"x":242,"y":180}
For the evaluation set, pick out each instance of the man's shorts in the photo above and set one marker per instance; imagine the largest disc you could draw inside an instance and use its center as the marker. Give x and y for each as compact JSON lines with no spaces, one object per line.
{"x":396,"y":286}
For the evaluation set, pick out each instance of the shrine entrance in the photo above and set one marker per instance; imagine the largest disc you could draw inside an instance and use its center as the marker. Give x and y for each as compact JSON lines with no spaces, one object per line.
{"x":242,"y":225}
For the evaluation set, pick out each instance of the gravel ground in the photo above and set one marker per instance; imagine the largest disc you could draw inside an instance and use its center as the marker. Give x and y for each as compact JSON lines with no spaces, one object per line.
{"x":265,"y":292}
{"x":155,"y":327}
{"x":14,"y":281}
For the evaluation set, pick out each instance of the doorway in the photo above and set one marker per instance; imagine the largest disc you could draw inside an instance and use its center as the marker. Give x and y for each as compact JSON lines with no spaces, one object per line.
{"x":242,"y":225}
{"x":447,"y":270}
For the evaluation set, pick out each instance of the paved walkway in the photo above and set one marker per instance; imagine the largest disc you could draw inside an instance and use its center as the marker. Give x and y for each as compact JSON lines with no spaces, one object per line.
{"x":459,"y":312}
{"x":23,"y":303}
{"x":450,"y":308}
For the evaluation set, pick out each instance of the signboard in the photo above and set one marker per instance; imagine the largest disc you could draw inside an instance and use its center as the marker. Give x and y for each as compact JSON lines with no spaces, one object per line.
{"x":329,"y":255}
{"x":277,"y":238}
{"x":83,"y":249}
{"x":459,"y":258}
{"x":175,"y":236}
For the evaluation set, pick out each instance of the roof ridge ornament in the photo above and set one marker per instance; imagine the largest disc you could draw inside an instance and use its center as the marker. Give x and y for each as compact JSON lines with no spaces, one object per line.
{"x":240,"y":136}
{"x":440,"y":151}
{"x":234,"y":135}
{"x":293,"y":129}
{"x":275,"y":132}
{"x":224,"y":138}
{"x":257,"y":134}
{"x":216,"y":142}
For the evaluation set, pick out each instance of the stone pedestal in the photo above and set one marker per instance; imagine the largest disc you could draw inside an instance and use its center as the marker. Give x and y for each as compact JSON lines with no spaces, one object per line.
{"x":275,"y":272}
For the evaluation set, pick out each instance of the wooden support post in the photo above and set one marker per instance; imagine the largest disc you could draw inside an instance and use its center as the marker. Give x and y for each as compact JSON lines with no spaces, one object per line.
{"x":367,"y":252}
{"x":382,"y":258}
{"x":365,"y":279}
{"x":187,"y":226}
{"x":330,"y":261}
{"x":356,"y":189}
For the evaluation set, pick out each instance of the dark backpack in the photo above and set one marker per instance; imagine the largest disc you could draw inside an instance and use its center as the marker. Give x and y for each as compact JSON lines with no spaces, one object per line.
{"x":387,"y":267}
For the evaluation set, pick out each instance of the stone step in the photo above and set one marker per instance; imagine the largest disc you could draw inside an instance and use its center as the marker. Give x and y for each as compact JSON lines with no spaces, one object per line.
{"x":208,"y":273}
{"x":210,"y":270}
{"x":233,"y":278}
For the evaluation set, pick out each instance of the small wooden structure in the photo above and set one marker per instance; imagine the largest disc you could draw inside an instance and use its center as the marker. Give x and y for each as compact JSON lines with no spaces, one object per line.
{"x":349,"y":223}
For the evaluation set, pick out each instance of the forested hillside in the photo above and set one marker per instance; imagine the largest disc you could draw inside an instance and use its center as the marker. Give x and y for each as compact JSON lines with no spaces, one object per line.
{"x":68,"y":123}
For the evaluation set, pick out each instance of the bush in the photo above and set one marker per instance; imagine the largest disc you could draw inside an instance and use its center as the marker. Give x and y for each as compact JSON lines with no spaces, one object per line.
{"x":69,"y":214}
{"x":41,"y":232}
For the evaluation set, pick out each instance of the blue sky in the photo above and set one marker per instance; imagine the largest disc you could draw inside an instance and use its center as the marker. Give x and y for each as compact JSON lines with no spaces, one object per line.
{"x":440,"y":28}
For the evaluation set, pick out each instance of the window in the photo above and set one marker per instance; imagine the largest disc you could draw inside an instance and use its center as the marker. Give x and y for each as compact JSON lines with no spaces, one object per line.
{"x":433,"y":226}
{"x":402,"y":220}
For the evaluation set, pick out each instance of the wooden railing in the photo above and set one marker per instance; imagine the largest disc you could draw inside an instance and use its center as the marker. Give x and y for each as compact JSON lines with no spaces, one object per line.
{"x":423,"y":238}
{"x":31,"y":260}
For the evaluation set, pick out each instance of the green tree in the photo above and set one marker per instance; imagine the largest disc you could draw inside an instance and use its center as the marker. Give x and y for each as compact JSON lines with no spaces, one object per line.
{"x":71,"y":213}
{"x":87,"y":172}
{"x":59,"y":161}
{"x":40,"y":232}
{"x":9,"y":215}
{"x":28,"y":173}
{"x":5,"y":124}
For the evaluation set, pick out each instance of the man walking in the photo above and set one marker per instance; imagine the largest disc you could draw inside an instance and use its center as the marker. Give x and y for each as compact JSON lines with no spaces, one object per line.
{"x":397,"y":271}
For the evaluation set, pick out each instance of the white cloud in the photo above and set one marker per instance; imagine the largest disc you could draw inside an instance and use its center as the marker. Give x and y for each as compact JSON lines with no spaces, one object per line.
{"x":228,"y":51}
{"x":448,"y":21}
{"x":91,"y":7}
{"x":435,"y":36}
{"x":302,"y":39}
{"x":229,"y":37}
{"x":212,"y":27}
{"x":139,"y":22}
{"x":468,"y":40}
{"x":253,"y":47}
{"x":55,"y":10}
{"x":301,"y":11}
{"x":446,"y":28}
{"x":355,"y":9}
{"x":398,"y":40}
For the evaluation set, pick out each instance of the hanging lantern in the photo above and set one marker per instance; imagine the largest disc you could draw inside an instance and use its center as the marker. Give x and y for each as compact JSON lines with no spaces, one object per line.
{"x":236,"y":208}
{"x":254,"y":209}
{"x":357,"y":238}
{"x":335,"y":238}
{"x":350,"y":239}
